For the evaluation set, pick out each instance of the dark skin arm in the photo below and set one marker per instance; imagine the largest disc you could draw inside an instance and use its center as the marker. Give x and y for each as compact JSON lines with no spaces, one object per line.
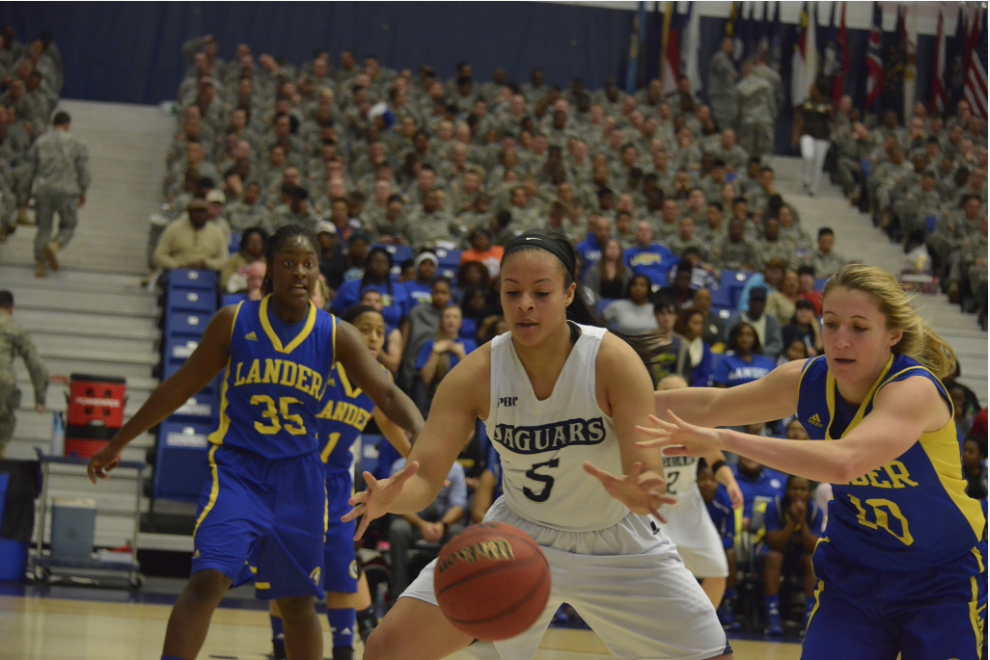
{"x":209,"y":358}
{"x":352,"y":353}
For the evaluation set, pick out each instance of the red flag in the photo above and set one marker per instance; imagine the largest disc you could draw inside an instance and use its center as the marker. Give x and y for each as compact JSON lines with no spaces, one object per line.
{"x":976,"y":65}
{"x":938,"y":102}
{"x":874,"y":59}
{"x":839,"y":80}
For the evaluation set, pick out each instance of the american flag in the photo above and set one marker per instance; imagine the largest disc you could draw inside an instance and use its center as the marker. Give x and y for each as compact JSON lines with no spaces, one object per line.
{"x":976,"y":71}
{"x":874,"y":59}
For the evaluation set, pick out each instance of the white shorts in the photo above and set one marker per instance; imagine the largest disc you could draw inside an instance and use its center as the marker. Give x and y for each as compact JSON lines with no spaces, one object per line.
{"x":691,"y":529}
{"x":627,"y":583}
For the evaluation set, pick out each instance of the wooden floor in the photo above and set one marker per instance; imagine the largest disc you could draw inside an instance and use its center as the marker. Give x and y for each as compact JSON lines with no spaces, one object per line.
{"x":54,"y":629}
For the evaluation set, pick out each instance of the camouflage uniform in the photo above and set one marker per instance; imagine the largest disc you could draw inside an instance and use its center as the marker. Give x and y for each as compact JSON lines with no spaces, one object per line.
{"x":767,"y":250}
{"x":14,"y":340}
{"x":57,"y":174}
{"x":776,"y":85}
{"x":722,"y":77}
{"x":756,"y":113}
{"x":735,"y":256}
{"x":825,"y":264}
{"x":976,"y":248}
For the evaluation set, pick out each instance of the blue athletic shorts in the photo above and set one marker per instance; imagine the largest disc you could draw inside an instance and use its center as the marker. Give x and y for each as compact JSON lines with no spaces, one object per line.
{"x":339,"y":566}
{"x":263,"y":515}
{"x":865,"y":614}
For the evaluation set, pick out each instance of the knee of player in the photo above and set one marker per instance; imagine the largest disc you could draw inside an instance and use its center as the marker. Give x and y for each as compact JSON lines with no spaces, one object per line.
{"x":295,"y":608}
{"x":378,"y":645}
{"x":208,"y":584}
{"x":774,"y":558}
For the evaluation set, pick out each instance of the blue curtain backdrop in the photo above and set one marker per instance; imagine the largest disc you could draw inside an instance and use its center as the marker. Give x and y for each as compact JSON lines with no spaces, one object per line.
{"x":131,"y":52}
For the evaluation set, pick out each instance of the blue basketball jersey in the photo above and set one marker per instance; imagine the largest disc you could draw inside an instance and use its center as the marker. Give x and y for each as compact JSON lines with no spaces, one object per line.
{"x":272,"y":391}
{"x":346,"y":411}
{"x":910,"y":514}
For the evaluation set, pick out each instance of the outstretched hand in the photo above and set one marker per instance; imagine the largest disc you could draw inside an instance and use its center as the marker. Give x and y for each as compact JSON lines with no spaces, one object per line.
{"x":379,"y":496}
{"x":102,"y":462}
{"x":642,"y":494}
{"x":680,"y":438}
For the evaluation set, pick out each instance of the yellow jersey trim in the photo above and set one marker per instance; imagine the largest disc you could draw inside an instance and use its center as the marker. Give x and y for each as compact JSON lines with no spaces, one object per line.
{"x":214,"y":489}
{"x":975,"y":618}
{"x":804,"y":370}
{"x":217,"y":436}
{"x":300,"y":338}
{"x":262,"y":585}
{"x":830,"y":389}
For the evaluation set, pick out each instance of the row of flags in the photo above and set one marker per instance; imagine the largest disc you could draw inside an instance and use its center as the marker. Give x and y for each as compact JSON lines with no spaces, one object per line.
{"x":959,"y":69}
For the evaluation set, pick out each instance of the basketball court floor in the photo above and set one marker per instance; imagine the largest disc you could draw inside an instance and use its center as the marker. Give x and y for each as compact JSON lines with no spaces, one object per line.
{"x":73,"y":627}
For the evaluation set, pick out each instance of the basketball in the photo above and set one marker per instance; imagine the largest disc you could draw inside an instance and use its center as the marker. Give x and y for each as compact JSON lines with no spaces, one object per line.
{"x":492,"y":582}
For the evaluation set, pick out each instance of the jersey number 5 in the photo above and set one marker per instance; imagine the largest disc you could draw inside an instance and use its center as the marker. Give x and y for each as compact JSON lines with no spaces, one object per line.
{"x":291,"y":423}
{"x":545,"y":479}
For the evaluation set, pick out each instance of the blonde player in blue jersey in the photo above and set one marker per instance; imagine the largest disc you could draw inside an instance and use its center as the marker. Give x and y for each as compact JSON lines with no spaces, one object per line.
{"x":899,"y":569}
{"x":347,"y":409}
{"x":265,"y":499}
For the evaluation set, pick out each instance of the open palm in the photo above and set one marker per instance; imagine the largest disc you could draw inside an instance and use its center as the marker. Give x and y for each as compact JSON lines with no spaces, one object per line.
{"x":379,"y":496}
{"x":679,"y":438}
{"x":641,"y":494}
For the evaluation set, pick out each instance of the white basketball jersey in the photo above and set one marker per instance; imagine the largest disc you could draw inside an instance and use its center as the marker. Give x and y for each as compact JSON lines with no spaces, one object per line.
{"x":689,"y":512}
{"x":543,"y":444}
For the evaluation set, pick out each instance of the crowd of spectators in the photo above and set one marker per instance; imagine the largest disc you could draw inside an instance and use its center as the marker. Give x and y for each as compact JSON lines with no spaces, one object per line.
{"x":657,"y":194}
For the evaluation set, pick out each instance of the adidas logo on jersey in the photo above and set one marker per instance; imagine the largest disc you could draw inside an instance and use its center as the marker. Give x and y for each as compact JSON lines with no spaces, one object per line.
{"x":816,"y":420}
{"x":251,"y":336}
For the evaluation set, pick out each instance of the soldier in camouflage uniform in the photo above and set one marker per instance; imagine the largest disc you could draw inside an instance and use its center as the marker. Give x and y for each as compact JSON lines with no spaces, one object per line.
{"x":825,"y":262}
{"x":687,"y":237}
{"x":756,"y":112}
{"x":14,"y":340}
{"x":57,"y":175}
{"x":733,"y":251}
{"x":853,"y":148}
{"x":974,"y":258}
{"x":918,"y":203}
{"x":722,"y":86}
{"x":771,"y":245}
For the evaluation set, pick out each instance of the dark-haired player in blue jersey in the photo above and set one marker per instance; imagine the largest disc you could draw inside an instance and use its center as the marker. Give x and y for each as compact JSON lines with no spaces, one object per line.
{"x":900,"y":568}
{"x":346,"y":411}
{"x":265,"y":499}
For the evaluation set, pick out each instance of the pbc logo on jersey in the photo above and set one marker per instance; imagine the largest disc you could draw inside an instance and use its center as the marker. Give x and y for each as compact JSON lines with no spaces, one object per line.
{"x":507,"y":401}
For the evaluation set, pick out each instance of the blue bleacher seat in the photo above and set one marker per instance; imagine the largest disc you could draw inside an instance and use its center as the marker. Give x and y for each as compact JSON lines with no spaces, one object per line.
{"x":192,"y":279}
{"x":449,"y":258}
{"x":720,"y":297}
{"x":187,"y":323}
{"x":930,"y":222}
{"x":186,"y":299}
{"x":181,"y":468}
{"x":399,"y":252}
{"x":733,"y":282}
{"x":820,"y":283}
{"x":235,"y":242}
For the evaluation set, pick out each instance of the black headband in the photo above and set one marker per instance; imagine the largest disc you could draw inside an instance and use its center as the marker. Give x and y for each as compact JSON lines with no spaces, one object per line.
{"x":545,"y":242}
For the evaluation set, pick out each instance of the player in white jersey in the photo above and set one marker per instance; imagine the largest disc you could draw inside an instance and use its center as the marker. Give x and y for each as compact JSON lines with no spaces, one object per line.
{"x":689,"y":525}
{"x":556,"y":397}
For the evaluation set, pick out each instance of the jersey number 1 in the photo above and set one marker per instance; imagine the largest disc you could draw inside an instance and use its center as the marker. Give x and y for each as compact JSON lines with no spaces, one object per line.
{"x":545,"y":479}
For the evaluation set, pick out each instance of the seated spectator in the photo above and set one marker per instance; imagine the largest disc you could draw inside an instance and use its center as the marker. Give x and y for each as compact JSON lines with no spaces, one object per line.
{"x":473,"y":302}
{"x":804,"y":327}
{"x":733,"y":251}
{"x":769,"y":279}
{"x":719,"y":506}
{"x":743,"y":361}
{"x":437,"y":524}
{"x":796,"y":349}
{"x":633,"y":314}
{"x":979,"y":430}
{"x":472,"y":274}
{"x":690,"y":326}
{"x":806,"y":287}
{"x":608,"y":278}
{"x":767,"y":327}
{"x":826,"y":262}
{"x":420,"y":289}
{"x":591,"y":248}
{"x":397,"y":303}
{"x":680,"y":290}
{"x":796,"y":430}
{"x":422,"y":324}
{"x":482,"y":250}
{"x":792,"y":524}
{"x":233,"y":276}
{"x":759,"y":485}
{"x":391,"y":353}
{"x":648,"y":257}
{"x":192,"y":242}
{"x":442,"y":352}
{"x":358,"y":246}
{"x":960,"y":411}
{"x":256,"y":280}
{"x":672,"y":361}
{"x":782,"y":303}
{"x":333,"y":257}
{"x":703,"y":274}
{"x":974,"y":469}
{"x":714,"y":326}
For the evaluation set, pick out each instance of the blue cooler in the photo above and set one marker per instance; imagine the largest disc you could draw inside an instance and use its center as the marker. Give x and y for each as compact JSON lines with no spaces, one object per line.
{"x":13,"y":554}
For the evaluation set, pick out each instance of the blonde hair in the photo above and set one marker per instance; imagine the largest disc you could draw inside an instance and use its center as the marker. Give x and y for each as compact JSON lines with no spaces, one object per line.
{"x":918,"y":341}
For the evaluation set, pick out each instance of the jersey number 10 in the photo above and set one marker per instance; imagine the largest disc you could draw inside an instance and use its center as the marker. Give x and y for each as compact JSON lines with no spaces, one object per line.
{"x":882,"y":518}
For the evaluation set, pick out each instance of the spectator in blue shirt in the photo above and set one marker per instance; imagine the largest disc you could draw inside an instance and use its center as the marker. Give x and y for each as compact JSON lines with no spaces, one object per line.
{"x":442,"y":352}
{"x":649,"y":258}
{"x":591,"y":248}
{"x":437,"y":523}
{"x":719,"y":507}
{"x":769,"y":279}
{"x":691,"y":326}
{"x":793,"y":524}
{"x":376,"y":276}
{"x":759,"y":485}
{"x":420,"y":289}
{"x":743,"y":361}
{"x":767,"y":326}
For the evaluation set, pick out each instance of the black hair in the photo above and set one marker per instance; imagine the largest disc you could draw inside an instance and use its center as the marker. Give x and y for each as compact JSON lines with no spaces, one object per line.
{"x":717,"y":205}
{"x":806,"y":269}
{"x":352,"y":313}
{"x":665,"y":302}
{"x":6,"y":299}
{"x":825,"y":231}
{"x":61,"y":118}
{"x":371,"y":253}
{"x":684,"y":266}
{"x":732,"y":344}
{"x":580,"y":311}
{"x":277,"y":241}
{"x":251,"y":231}
{"x":635,"y":278}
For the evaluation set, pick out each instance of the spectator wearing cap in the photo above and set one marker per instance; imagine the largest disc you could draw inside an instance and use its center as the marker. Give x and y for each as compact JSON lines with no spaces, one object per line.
{"x":482,"y":250}
{"x":767,"y":327}
{"x":215,"y":200}
{"x":233,"y":276}
{"x":770,"y":279}
{"x":333,"y":257}
{"x":192,"y":242}
{"x":420,"y":289}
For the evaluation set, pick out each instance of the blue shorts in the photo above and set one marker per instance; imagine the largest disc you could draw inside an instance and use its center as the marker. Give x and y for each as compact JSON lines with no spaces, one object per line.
{"x":792,"y":557}
{"x":340,"y":569}
{"x":262,"y":515}
{"x":862,"y":613}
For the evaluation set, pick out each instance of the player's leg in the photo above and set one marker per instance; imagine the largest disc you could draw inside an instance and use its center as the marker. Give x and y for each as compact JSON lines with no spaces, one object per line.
{"x":278,"y":631}
{"x":190,"y":618}
{"x":725,"y":613}
{"x":772,"y":563}
{"x":303,"y":634}
{"x":342,"y":616}
{"x":44,"y":210}
{"x":844,"y":627}
{"x":808,"y":576}
{"x":714,"y":588}
{"x":414,"y":630}
{"x":340,"y":569}
{"x":367,"y":620}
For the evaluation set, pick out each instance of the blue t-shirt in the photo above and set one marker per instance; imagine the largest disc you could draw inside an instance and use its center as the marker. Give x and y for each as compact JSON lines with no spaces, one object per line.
{"x":397,"y":302}
{"x":469,"y":328}
{"x":654,"y":262}
{"x":775,"y":518}
{"x":590,"y":251}
{"x":732,"y":370}
{"x":420,"y":293}
{"x":757,"y":492}
{"x":424,"y":353}
{"x":723,"y":516}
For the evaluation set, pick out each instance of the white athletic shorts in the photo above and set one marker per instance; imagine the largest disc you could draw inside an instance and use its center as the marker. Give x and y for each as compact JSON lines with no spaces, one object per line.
{"x":691,"y":529}
{"x":626,"y":582}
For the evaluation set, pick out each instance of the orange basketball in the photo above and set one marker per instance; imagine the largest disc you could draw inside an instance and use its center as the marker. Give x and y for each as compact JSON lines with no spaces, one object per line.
{"x":492,"y":582}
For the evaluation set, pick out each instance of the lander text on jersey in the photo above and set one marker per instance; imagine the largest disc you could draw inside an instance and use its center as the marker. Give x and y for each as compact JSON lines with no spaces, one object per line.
{"x":550,"y":437}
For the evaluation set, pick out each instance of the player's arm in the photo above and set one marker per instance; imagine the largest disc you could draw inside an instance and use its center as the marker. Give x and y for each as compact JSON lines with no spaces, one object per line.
{"x":902,"y":412}
{"x":778,"y":538}
{"x":726,"y":477}
{"x":352,"y":352}
{"x":198,"y":371}
{"x":392,"y":357}
{"x":395,"y":436}
{"x":774,"y":396}
{"x":482,"y":496}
